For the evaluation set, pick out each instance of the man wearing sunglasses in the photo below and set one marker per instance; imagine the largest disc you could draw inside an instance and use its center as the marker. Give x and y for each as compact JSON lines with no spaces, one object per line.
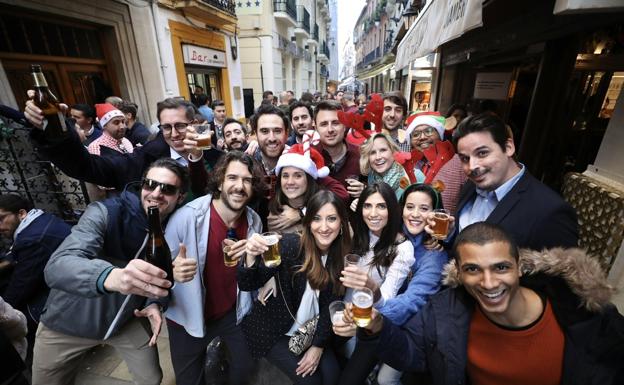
{"x":116,"y":171}
{"x":93,"y":271}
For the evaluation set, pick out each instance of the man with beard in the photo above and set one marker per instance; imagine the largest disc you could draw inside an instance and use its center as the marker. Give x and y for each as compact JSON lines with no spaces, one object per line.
{"x":501,"y":191}
{"x":342,"y":158}
{"x":93,"y":271}
{"x":235,"y":135}
{"x":113,"y":123}
{"x":206,"y":302}
{"x":301,"y":120}
{"x":394,"y":111}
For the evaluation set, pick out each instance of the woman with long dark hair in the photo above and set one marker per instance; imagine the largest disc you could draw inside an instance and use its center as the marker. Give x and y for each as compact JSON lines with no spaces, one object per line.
{"x":307,"y":282}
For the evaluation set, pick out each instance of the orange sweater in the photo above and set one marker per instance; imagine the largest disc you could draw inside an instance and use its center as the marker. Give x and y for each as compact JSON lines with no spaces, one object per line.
{"x":515,"y":357}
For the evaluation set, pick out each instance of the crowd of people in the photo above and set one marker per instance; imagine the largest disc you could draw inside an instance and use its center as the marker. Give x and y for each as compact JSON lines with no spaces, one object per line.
{"x":505,"y":296}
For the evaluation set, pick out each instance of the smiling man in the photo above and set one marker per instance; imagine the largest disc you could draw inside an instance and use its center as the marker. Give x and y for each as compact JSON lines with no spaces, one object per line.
{"x":501,"y":191}
{"x":394,"y":112}
{"x":301,"y":121}
{"x":207,"y":303}
{"x":72,"y":158}
{"x":510,"y":320}
{"x":91,"y":273}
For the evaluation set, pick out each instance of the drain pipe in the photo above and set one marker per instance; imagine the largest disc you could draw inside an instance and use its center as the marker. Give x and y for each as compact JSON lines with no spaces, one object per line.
{"x":159,"y":33}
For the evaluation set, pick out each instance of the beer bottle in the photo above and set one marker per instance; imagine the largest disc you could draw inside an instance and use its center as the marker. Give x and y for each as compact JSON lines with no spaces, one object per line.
{"x":54,"y":121}
{"x":157,"y":252}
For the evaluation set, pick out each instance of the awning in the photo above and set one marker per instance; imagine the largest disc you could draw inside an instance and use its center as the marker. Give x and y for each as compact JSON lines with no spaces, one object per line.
{"x":440,"y":22}
{"x":363,"y":75}
{"x":564,"y":7}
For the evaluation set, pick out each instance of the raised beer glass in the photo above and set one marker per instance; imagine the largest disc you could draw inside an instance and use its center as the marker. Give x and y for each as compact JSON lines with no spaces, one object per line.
{"x":362,"y":306}
{"x":352,"y":260}
{"x":204,"y":136}
{"x":272,"y":256}
{"x":441,"y":223}
{"x":226,"y":244}
{"x":336,"y":310}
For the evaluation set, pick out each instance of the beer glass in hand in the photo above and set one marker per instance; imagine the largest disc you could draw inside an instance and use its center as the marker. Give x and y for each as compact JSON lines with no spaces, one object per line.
{"x":440,"y":228}
{"x":204,"y":136}
{"x":362,"y":306}
{"x":272,"y":256}
{"x":352,"y":260}
{"x":226,"y":245}
{"x":336,"y":310}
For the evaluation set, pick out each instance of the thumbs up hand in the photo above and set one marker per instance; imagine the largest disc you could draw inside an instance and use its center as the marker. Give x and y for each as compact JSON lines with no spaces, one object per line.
{"x":184,"y":268}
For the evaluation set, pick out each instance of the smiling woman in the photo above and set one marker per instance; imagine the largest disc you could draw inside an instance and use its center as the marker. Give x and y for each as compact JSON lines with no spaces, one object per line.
{"x":377,"y":161}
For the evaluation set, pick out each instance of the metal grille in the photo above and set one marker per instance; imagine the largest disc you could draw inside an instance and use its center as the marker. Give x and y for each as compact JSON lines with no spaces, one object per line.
{"x":23,"y":172}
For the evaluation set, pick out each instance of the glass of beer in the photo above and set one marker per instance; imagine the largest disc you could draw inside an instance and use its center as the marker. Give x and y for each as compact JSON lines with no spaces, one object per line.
{"x":441,"y":223}
{"x":226,"y":245}
{"x":352,"y":178}
{"x":204,"y":136}
{"x":272,"y":256}
{"x":336,"y":310}
{"x":362,"y":306}
{"x":352,"y":260}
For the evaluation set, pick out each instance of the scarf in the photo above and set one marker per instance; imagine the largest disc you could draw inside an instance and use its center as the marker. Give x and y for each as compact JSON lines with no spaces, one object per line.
{"x":395,"y":177}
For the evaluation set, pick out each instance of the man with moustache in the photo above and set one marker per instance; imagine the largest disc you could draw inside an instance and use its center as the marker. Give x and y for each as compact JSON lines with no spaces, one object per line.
{"x":501,"y":191}
{"x":394,"y":112}
{"x":92,"y":272}
{"x":301,"y":121}
{"x":206,"y":302}
{"x":235,"y":135}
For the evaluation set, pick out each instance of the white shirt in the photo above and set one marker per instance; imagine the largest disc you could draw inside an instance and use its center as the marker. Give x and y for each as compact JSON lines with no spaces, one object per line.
{"x":308,"y":307}
{"x":389,"y":278}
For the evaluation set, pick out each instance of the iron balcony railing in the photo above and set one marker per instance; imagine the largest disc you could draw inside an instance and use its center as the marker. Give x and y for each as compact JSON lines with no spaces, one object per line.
{"x":370,"y":57}
{"x":303,"y":18}
{"x":287,"y":6}
{"x":228,"y":6}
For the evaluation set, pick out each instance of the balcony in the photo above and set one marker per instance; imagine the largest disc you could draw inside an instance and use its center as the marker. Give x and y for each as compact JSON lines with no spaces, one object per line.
{"x":303,"y":22}
{"x":324,"y":72}
{"x":323,"y":54}
{"x":286,"y":11}
{"x":313,"y":39}
{"x":370,"y":57}
{"x":219,"y":14}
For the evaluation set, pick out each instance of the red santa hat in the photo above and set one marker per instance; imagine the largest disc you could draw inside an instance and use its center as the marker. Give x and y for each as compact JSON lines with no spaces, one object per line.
{"x":429,"y":119}
{"x":304,"y":157}
{"x":106,"y":111}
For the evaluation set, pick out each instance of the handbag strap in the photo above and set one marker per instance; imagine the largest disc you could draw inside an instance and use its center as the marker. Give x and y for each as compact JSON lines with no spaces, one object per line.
{"x":286,"y":303}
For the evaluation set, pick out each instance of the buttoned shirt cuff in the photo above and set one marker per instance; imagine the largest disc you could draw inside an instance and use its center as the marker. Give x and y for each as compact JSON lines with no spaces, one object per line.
{"x":191,"y":158}
{"x":100,"y":281}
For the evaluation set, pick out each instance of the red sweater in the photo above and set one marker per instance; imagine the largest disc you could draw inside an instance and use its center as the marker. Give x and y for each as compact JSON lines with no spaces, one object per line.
{"x":515,"y":357}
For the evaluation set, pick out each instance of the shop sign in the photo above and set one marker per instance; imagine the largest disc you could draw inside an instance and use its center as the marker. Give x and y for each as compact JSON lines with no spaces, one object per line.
{"x":441,"y":21}
{"x":203,"y":56}
{"x":492,"y":85}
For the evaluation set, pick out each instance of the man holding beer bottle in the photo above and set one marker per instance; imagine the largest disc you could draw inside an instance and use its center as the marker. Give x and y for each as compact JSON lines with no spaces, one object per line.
{"x":91,"y":273}
{"x":206,"y":302}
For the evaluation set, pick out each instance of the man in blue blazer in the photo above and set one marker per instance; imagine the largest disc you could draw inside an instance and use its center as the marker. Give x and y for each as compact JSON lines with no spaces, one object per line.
{"x":501,"y":191}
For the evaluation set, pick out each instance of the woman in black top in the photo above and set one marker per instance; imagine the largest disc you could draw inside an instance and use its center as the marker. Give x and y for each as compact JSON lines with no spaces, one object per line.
{"x":307,"y":282}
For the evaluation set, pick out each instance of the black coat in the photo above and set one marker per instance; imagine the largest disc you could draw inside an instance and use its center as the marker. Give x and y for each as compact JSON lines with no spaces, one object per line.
{"x":532,"y":213}
{"x":266,"y":324}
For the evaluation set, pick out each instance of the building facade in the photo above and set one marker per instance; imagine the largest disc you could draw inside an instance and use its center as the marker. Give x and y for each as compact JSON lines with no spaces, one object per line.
{"x":284,"y":46}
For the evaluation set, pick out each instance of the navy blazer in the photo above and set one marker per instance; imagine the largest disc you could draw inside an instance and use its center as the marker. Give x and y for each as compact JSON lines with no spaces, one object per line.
{"x":536,"y":216}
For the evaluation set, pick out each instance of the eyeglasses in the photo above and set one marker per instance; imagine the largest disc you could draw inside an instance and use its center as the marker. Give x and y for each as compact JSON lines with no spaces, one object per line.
{"x":165,"y":188}
{"x":179,"y":126}
{"x":427,"y":132}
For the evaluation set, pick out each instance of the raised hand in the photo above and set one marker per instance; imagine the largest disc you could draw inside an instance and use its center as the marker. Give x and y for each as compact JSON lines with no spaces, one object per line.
{"x":140,"y":278}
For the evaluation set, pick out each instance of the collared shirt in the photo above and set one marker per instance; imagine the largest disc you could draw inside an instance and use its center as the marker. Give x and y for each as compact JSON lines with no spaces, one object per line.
{"x":485,"y":202}
{"x":124,"y":146}
{"x":177,"y":157}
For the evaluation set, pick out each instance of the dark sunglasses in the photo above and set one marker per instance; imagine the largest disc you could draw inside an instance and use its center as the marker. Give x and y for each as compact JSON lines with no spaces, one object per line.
{"x":165,"y":188}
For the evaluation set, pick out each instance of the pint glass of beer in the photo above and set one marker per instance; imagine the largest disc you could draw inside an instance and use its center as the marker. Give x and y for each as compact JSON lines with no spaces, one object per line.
{"x":204,"y":136}
{"x":226,"y":244}
{"x":441,"y":226}
{"x":362,"y":306}
{"x":272,"y":256}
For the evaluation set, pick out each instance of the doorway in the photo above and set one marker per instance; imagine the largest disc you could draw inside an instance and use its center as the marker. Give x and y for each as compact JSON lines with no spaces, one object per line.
{"x":207,"y":79}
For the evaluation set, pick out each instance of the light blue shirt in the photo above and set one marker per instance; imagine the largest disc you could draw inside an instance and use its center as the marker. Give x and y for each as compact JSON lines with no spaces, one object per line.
{"x":207,"y":113}
{"x":485,"y":202}
{"x":178,"y":158}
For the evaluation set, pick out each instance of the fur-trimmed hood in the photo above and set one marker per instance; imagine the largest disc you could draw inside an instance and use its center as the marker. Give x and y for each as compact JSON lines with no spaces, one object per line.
{"x":583,"y":274}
